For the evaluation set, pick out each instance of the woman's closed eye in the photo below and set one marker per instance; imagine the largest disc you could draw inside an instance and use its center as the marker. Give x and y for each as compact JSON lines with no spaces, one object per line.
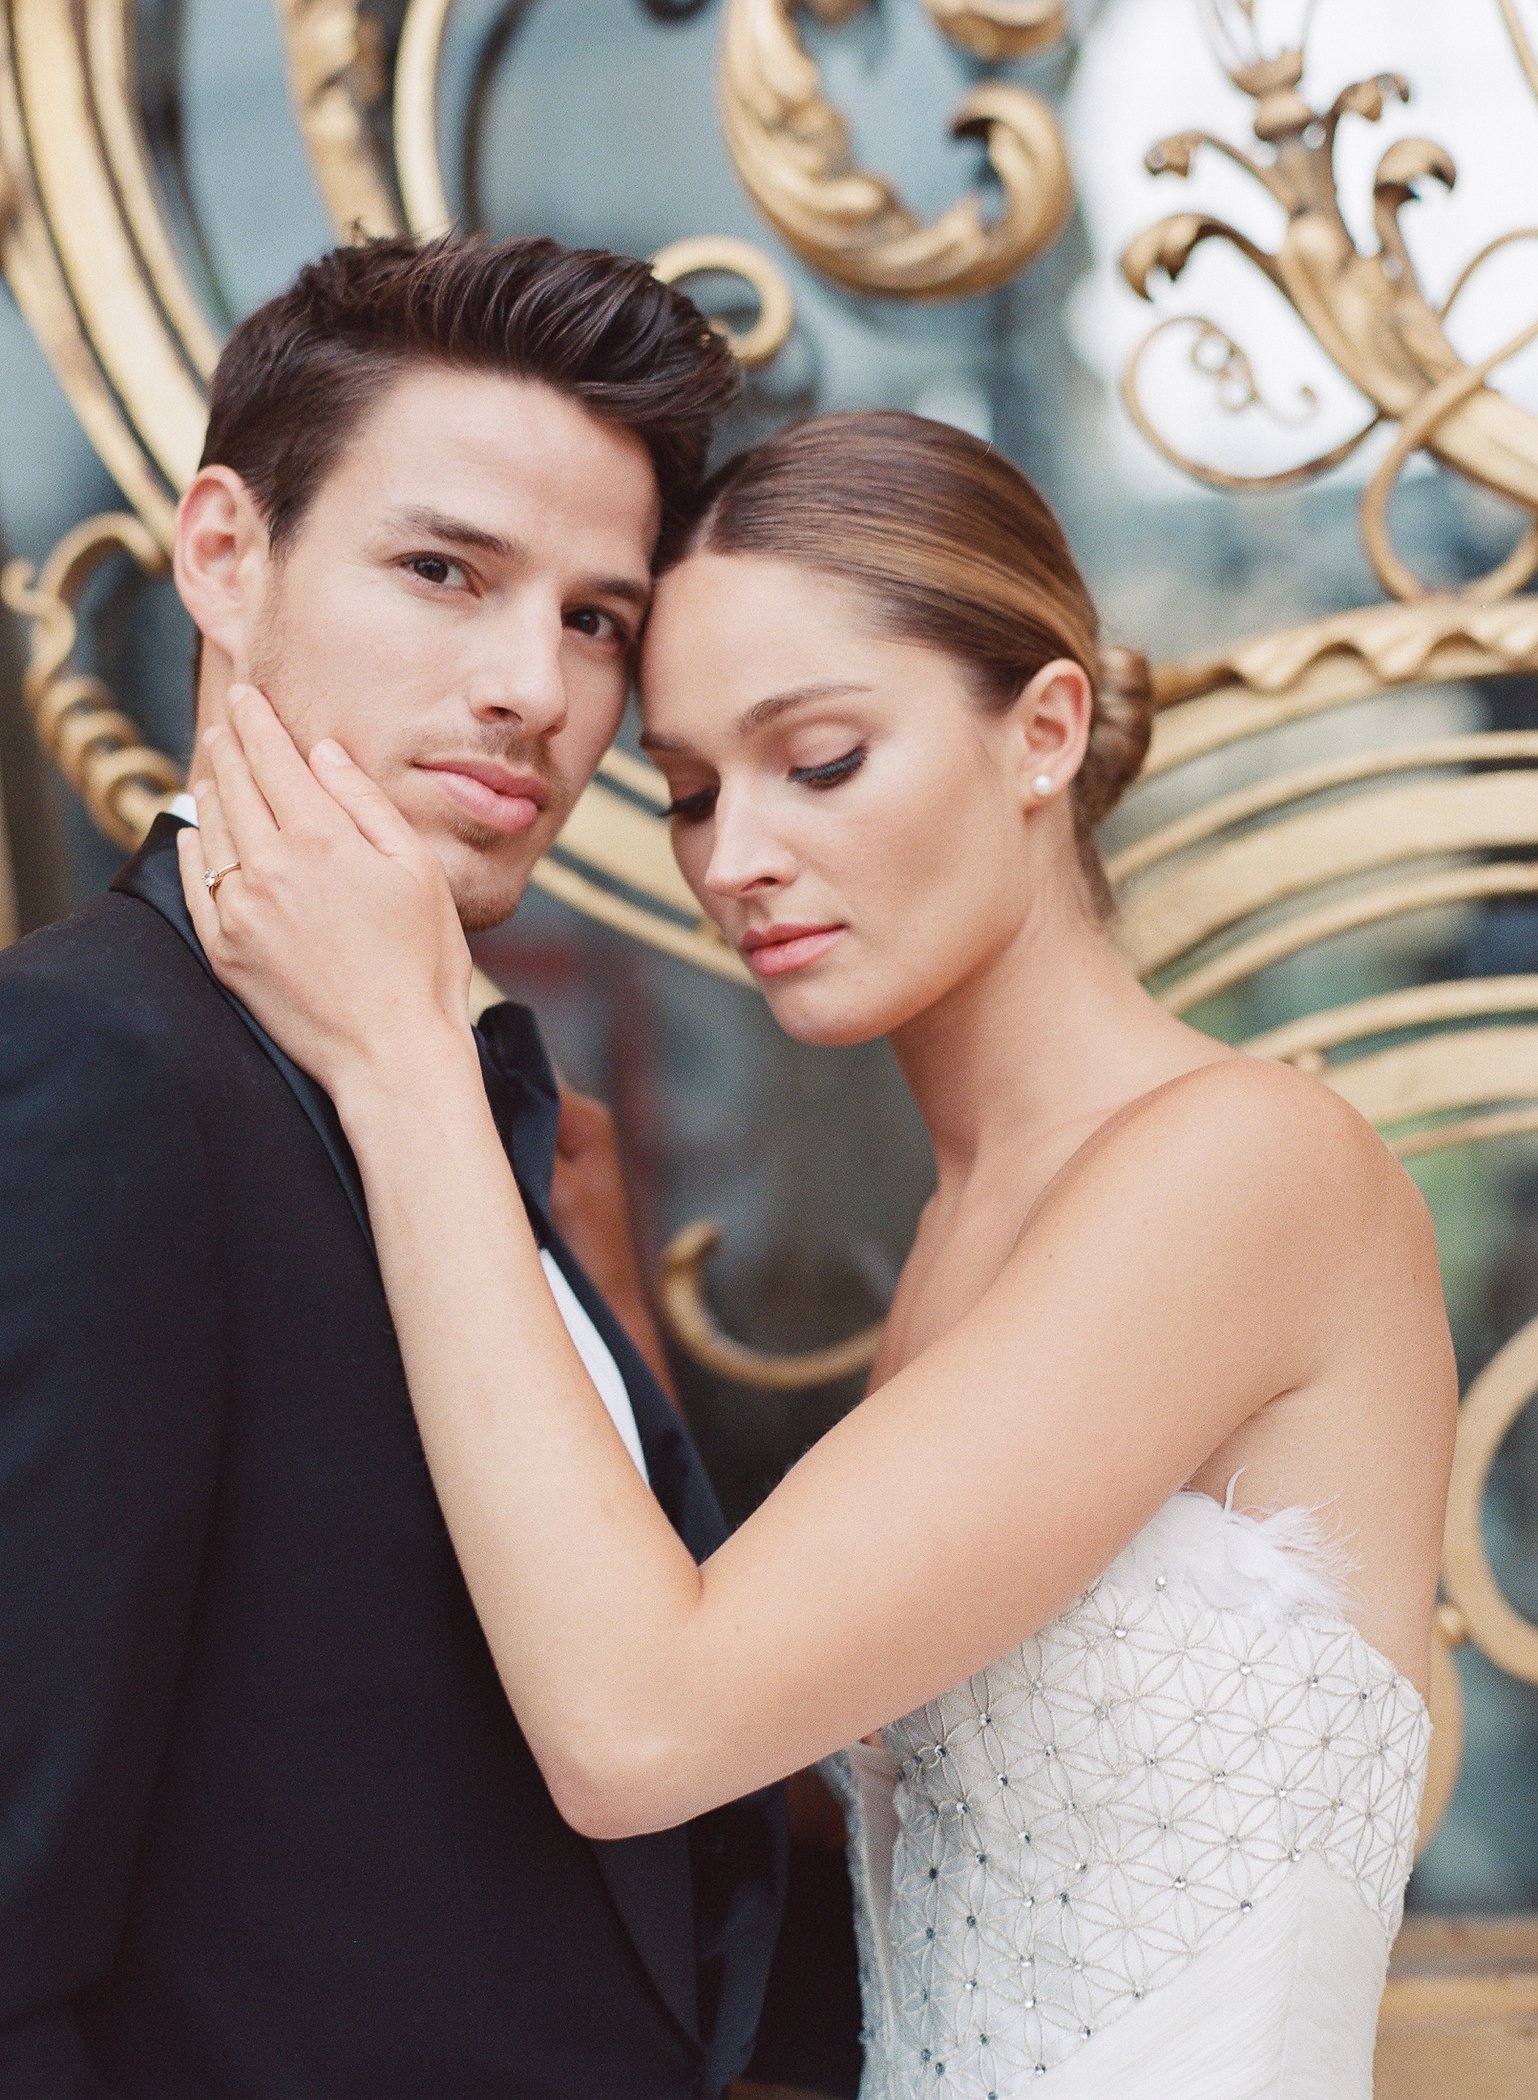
{"x":832,"y":771}
{"x":694,"y":807}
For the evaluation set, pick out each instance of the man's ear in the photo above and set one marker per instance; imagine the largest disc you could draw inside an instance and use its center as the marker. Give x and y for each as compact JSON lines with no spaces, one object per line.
{"x":1053,"y":716}
{"x":221,"y":560}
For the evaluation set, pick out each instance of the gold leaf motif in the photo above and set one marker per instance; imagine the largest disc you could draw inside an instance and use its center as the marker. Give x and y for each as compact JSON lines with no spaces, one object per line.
{"x":995,"y":29}
{"x":1367,"y":309}
{"x":792,"y":150}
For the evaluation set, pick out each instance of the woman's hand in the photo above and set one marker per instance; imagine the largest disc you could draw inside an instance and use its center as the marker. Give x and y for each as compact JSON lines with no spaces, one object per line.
{"x":335,"y":924}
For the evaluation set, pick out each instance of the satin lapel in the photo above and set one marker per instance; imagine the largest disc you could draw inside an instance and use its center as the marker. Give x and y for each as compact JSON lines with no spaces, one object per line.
{"x":153,"y":876}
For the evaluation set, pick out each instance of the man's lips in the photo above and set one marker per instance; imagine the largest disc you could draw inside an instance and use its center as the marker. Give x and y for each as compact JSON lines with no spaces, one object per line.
{"x":773,"y":950}
{"x":495,"y":795}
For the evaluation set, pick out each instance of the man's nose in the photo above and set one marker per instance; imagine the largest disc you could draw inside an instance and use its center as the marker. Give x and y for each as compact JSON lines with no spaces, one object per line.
{"x":746,"y":854}
{"x":523,"y":685}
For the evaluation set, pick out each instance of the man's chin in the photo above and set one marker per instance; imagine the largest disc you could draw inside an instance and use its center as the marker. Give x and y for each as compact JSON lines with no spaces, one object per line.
{"x":486,"y":879}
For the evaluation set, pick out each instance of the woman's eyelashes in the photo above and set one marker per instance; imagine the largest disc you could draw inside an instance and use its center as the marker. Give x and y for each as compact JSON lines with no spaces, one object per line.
{"x":691,"y":809}
{"x":694,"y":808}
{"x":832,"y":771}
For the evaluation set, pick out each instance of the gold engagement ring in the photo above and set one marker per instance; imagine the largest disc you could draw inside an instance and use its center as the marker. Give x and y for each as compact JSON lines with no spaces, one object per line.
{"x":214,"y":876}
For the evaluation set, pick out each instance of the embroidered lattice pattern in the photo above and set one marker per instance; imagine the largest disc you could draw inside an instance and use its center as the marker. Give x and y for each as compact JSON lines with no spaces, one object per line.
{"x":1081,"y":1820}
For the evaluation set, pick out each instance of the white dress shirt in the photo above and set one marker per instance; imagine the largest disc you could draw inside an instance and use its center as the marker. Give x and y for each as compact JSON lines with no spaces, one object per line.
{"x":591,"y":1346}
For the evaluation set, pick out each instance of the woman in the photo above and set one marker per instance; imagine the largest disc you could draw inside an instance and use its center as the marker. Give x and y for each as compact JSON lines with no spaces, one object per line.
{"x":1120,"y":1581}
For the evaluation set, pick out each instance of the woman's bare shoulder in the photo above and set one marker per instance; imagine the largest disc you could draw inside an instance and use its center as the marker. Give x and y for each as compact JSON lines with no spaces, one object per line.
{"x":1253,"y":1138}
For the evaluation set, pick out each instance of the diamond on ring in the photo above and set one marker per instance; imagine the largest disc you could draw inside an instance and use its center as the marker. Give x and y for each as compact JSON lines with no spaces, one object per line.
{"x":214,"y":876}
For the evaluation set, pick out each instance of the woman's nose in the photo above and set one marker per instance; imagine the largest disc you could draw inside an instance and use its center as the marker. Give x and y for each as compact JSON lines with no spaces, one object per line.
{"x":746,"y":854}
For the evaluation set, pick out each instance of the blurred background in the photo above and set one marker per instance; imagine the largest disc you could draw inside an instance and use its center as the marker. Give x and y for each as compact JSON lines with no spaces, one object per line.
{"x":597,"y":121}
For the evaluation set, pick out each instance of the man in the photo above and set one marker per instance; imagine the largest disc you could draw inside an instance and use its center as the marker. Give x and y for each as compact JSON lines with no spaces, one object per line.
{"x":267,"y":1824}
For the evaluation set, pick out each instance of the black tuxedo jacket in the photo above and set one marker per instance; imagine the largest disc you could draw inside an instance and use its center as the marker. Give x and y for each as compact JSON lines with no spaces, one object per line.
{"x":268,"y":1827}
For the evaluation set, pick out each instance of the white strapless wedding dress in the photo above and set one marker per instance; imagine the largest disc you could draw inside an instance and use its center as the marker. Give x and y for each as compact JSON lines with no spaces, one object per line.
{"x":1157,"y":1853}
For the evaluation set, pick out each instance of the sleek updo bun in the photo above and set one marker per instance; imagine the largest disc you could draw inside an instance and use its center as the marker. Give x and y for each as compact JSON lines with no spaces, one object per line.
{"x":951,"y":547}
{"x":1119,"y":731}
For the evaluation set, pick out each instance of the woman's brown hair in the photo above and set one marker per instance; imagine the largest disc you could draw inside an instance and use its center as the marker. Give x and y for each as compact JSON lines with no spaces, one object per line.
{"x":950,"y":546}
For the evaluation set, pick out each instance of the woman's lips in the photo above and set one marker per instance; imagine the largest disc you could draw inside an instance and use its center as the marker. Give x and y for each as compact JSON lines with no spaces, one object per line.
{"x":772,"y":953}
{"x":511,"y":809}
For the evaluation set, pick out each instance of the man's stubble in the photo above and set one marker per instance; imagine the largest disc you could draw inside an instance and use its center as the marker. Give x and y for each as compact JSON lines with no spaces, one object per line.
{"x":480,"y":905}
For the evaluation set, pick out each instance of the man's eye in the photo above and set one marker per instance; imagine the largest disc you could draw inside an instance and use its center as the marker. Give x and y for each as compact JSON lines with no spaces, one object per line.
{"x":692,"y":809}
{"x":602,"y":626}
{"x":437,"y":570}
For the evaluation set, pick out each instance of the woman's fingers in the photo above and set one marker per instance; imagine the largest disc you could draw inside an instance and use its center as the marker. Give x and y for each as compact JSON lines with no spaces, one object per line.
{"x":190,"y":849}
{"x":213,"y":831}
{"x":242,"y":810}
{"x":366,"y":803}
{"x":273,"y":757}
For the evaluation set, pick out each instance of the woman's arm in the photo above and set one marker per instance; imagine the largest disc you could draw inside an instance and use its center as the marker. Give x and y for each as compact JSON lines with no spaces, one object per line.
{"x":1154,"y":1303}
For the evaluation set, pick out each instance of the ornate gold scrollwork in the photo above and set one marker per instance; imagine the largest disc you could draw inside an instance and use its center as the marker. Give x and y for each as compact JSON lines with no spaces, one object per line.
{"x":693,"y":1325}
{"x":709,"y":253}
{"x":337,"y":83}
{"x":101,"y":753}
{"x":995,"y":29}
{"x":792,"y":150}
{"x":1367,"y":309}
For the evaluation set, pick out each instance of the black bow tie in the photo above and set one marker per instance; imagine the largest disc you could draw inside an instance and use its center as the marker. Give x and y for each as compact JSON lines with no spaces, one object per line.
{"x":521,"y":1087}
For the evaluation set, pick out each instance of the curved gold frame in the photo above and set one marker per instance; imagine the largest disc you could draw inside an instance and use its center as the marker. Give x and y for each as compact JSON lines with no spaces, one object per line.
{"x":123,"y":782}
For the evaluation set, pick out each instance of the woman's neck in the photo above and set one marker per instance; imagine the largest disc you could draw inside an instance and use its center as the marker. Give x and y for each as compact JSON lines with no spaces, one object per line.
{"x":1052,"y":1030}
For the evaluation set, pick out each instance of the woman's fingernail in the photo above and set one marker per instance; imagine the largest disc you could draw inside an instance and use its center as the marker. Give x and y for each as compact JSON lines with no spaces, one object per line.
{"x":329,"y":752}
{"x":200,"y":790}
{"x":212,"y":736}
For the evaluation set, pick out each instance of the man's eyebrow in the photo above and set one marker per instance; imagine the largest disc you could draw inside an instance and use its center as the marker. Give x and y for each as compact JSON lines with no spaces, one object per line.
{"x":629,"y":589}
{"x":459,"y":532}
{"x":763,"y":712}
{"x":438,"y":525}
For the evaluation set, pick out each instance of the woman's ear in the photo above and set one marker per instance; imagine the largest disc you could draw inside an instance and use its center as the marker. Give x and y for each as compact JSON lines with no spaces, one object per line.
{"x":221,"y":560}
{"x":1053,"y":715}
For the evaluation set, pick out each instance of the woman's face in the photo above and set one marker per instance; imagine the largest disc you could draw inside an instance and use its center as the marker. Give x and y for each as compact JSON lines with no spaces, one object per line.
{"x":860,"y":830}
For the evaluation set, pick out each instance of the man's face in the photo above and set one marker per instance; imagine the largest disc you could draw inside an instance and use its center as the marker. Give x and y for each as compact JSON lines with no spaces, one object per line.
{"x":459,"y":607}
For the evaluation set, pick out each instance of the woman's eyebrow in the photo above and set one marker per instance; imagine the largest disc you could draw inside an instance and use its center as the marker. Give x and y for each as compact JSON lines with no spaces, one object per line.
{"x":768,"y":710}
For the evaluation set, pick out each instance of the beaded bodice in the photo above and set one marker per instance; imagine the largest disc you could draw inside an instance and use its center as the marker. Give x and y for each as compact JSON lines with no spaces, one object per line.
{"x":1169,"y":1766}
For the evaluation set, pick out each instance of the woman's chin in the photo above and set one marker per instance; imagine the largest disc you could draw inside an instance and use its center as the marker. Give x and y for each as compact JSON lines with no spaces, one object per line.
{"x":817,"y":1015}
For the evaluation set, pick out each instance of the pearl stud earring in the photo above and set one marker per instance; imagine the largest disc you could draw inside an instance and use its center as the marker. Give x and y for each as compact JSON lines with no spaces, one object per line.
{"x":1042,"y":783}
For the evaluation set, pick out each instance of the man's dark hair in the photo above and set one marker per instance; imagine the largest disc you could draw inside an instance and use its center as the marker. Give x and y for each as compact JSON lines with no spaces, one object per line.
{"x":299,"y":374}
